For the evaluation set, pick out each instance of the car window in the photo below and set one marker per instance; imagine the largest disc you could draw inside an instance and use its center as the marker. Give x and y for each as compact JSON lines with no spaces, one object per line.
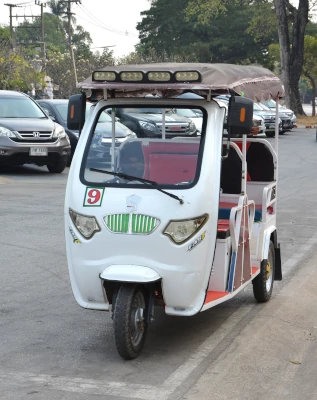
{"x":63,"y":107}
{"x":19,"y":107}
{"x":186,"y":112}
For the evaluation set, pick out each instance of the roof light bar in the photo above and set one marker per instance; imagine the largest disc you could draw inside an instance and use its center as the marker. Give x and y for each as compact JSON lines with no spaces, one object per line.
{"x":147,"y":77}
{"x":162,"y":76}
{"x":187,"y":76}
{"x":131,"y":76}
{"x":104,"y":76}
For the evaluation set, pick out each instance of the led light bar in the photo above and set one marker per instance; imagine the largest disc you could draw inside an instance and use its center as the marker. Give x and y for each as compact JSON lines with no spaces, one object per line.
{"x":147,"y":77}
{"x":187,"y":76}
{"x":131,"y":76}
{"x":104,"y":76}
{"x":161,"y":76}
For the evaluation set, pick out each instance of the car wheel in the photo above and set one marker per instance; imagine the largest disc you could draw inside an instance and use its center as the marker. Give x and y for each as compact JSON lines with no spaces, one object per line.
{"x":58,"y":166}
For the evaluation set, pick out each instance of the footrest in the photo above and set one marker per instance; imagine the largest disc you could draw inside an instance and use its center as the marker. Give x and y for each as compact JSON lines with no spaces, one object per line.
{"x":223,"y":230}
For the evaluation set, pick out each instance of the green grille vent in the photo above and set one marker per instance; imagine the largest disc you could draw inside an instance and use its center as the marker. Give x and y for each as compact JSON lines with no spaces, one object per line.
{"x":133,"y":224}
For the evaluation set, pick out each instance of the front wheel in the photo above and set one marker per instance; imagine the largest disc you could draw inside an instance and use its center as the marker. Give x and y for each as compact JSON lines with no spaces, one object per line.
{"x":129,"y":321}
{"x":58,"y":166}
{"x":263,"y":283}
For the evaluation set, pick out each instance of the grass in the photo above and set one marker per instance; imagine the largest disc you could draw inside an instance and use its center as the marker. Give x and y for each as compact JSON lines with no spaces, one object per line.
{"x":304,"y":120}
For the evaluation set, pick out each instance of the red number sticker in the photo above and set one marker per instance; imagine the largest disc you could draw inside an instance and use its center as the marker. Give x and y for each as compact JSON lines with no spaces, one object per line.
{"x":93,"y":197}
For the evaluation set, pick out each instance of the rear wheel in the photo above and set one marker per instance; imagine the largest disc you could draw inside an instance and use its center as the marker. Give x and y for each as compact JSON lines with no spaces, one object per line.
{"x":58,"y":166}
{"x":129,"y":323}
{"x":263,"y":283}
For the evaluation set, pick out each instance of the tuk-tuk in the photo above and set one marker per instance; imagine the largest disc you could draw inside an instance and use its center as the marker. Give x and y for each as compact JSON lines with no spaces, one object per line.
{"x":164,"y":214}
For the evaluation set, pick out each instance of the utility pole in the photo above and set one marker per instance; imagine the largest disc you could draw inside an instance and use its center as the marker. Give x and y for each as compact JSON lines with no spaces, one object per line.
{"x":11,"y":26}
{"x":71,"y":51}
{"x":42,"y":5}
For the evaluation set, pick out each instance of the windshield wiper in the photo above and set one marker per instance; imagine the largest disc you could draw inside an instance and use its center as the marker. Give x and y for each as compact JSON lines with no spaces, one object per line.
{"x":134,"y":178}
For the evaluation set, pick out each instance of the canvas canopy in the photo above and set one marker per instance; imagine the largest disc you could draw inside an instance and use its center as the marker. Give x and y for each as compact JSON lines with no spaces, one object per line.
{"x":254,"y":82}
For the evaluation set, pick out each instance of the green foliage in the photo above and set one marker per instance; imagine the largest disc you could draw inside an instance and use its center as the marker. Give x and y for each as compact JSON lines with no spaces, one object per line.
{"x":208,"y":31}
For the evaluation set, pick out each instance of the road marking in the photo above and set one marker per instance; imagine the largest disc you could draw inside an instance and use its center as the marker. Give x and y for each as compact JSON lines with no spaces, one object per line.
{"x":4,"y":180}
{"x":173,"y":382}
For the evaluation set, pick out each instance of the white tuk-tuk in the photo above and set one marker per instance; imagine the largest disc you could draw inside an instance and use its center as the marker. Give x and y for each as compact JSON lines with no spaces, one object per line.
{"x":157,"y":213}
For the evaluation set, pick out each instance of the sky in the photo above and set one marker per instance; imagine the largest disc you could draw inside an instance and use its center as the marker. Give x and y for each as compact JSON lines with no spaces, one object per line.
{"x":110,"y":23}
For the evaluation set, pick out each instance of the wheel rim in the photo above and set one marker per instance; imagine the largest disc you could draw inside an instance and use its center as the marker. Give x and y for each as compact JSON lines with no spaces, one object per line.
{"x":269,"y":276}
{"x":137,"y":319}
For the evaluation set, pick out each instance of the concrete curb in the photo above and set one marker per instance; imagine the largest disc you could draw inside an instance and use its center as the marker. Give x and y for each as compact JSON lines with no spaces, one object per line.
{"x":305,"y":126}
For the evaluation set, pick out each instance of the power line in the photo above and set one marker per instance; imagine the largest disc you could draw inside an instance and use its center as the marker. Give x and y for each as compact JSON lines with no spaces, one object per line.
{"x":98,"y":22}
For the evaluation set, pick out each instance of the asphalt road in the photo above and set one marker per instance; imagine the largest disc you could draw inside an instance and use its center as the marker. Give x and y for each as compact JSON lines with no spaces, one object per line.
{"x":52,"y":349}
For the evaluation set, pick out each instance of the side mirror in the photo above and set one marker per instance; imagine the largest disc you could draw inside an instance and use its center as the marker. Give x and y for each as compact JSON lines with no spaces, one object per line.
{"x":76,"y":112}
{"x":240,"y":115}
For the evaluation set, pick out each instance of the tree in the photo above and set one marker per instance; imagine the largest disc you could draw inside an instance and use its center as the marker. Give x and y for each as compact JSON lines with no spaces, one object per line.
{"x":292,"y":23}
{"x":207,"y":31}
{"x":310,"y":66}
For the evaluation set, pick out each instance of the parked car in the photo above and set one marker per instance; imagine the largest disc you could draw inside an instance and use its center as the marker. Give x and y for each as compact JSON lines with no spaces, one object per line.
{"x":258,"y":125}
{"x":193,"y":115}
{"x":28,"y":135}
{"x":269,"y":118}
{"x":57,"y":110}
{"x":147,"y":122}
{"x":287,"y":116}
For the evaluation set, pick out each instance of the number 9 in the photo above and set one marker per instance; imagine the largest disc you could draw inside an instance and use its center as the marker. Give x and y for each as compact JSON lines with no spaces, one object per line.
{"x":93,"y":196}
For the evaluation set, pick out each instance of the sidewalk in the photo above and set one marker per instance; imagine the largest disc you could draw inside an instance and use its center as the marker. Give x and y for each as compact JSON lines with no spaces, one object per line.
{"x":275,"y":355}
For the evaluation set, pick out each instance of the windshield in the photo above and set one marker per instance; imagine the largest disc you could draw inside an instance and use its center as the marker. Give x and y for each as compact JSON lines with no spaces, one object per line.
{"x":186,"y":112}
{"x":163,"y":152}
{"x":63,"y":107}
{"x":19,"y":107}
{"x":256,"y":107}
{"x":270,"y":103}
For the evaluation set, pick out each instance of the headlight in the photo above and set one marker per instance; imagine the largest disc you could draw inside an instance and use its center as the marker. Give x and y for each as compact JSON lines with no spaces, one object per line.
{"x":148,"y":126}
{"x":257,"y":122}
{"x":180,"y":231}
{"x":59,"y":132}
{"x":192,"y":127}
{"x":128,"y":132}
{"x":86,"y":225}
{"x":6,"y":132}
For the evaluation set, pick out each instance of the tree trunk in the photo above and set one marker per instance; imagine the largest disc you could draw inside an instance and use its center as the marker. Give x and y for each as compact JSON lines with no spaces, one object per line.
{"x":291,"y":31}
{"x":313,"y":85}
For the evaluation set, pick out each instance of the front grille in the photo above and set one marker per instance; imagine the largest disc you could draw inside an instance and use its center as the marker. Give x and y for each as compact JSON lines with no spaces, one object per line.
{"x":175,"y":128}
{"x":34,"y":140}
{"x":132,"y":224}
{"x":269,"y":119}
{"x":35,"y":135}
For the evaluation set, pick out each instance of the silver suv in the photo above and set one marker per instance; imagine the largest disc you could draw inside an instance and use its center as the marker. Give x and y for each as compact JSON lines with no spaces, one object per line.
{"x":28,"y":135}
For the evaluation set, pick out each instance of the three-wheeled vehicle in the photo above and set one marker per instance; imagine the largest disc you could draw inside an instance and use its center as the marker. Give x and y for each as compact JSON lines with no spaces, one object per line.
{"x":171,"y":218}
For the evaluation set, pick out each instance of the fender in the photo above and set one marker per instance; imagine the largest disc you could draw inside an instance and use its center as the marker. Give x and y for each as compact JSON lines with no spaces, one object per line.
{"x":267,"y":235}
{"x":129,"y":273}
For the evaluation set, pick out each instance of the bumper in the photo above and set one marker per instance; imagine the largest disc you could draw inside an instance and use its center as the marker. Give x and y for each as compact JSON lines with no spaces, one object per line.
{"x":17,"y":153}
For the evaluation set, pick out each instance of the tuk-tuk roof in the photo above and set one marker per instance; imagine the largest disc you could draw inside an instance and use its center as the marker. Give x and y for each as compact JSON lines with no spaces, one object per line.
{"x":254,"y":82}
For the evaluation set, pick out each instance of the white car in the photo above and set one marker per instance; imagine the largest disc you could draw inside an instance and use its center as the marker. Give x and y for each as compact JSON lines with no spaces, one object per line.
{"x":193,"y":115}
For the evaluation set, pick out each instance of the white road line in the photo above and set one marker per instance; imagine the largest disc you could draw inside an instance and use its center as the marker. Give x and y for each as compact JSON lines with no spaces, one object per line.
{"x":174,"y":381}
{"x":87,"y":386}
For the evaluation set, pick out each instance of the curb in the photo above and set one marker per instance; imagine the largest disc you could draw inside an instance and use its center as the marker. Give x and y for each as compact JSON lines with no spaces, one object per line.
{"x":305,"y":126}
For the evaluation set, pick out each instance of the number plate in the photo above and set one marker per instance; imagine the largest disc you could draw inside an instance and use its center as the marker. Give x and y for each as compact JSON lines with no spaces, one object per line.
{"x":175,"y":128}
{"x":38,"y":151}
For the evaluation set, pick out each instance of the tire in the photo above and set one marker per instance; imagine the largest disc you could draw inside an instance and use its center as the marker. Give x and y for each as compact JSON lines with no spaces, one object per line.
{"x":263,"y":283}
{"x":129,"y":325}
{"x":270,"y":134}
{"x":58,"y":166}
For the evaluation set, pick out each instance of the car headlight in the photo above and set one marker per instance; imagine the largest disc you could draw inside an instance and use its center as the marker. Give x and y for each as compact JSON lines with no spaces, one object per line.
{"x":59,"y":132}
{"x":257,"y":122}
{"x":85,"y":224}
{"x":180,"y":231}
{"x":6,"y":132}
{"x":192,"y":127}
{"x":128,"y":132}
{"x":148,"y":126}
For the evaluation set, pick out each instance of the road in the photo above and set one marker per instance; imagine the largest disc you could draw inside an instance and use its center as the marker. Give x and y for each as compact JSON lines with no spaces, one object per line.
{"x":52,"y":349}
